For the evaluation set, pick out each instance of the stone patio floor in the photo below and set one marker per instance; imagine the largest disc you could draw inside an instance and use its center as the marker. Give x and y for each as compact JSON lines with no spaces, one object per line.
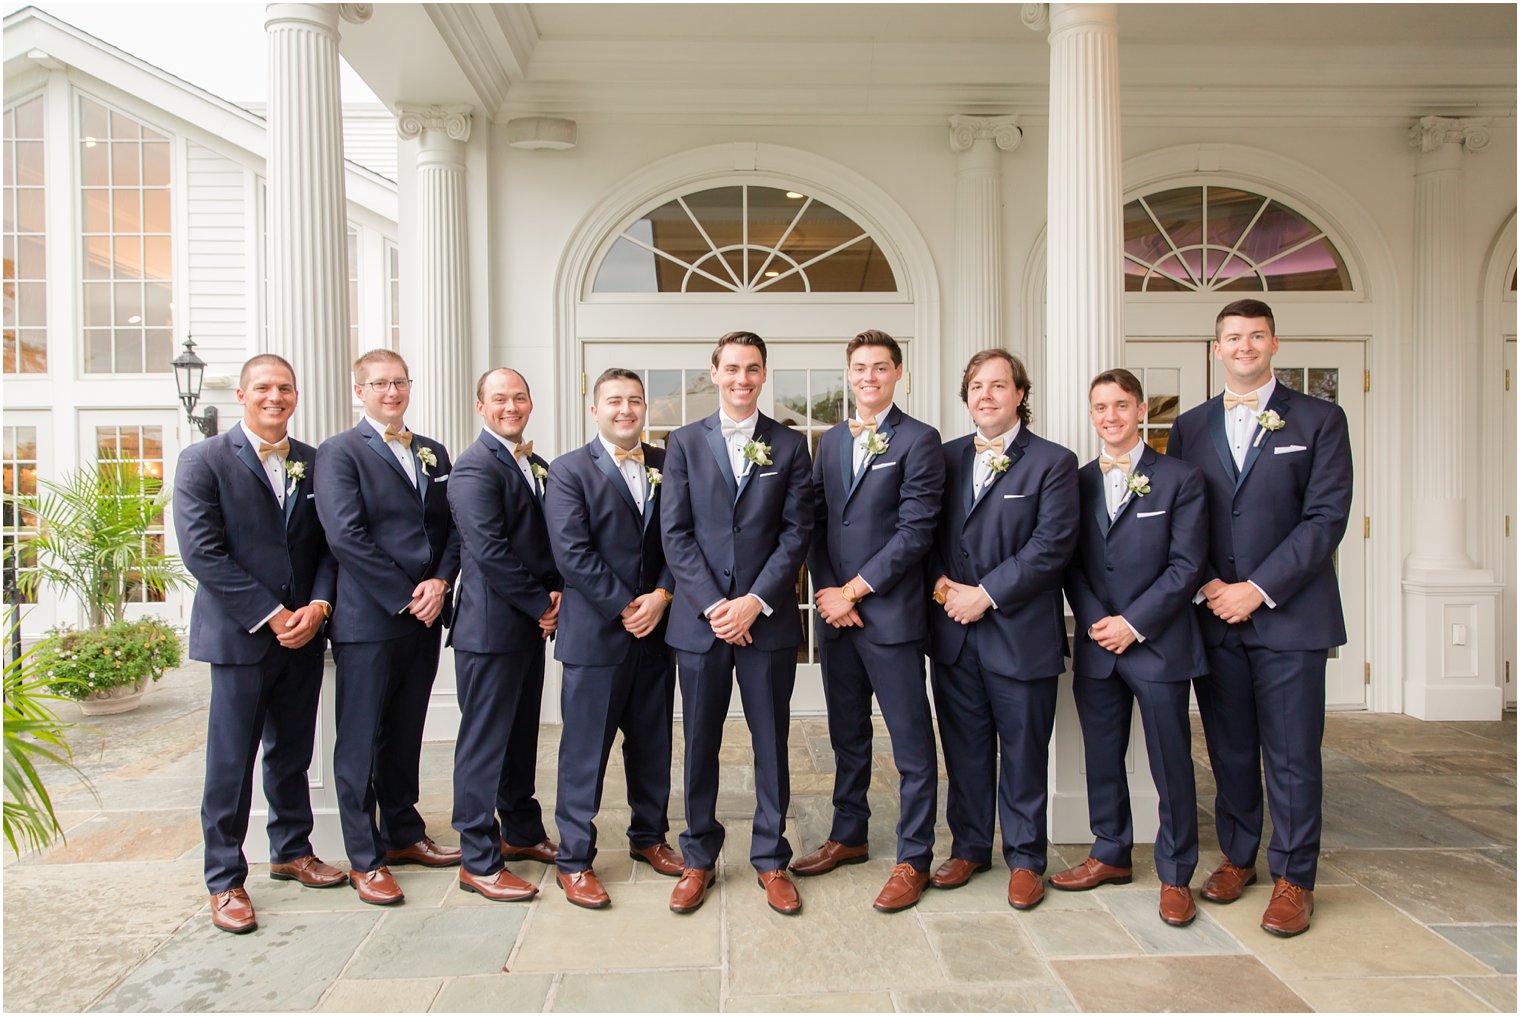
{"x":1416,"y":904}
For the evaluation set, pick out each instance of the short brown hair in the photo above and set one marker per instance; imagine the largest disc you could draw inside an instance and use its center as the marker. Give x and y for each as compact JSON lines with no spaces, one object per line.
{"x":874,"y":337}
{"x":1020,"y":378}
{"x":361,"y":365}
{"x":615,"y":374}
{"x":739,"y":339}
{"x":1121,"y":377}
{"x":259,"y":361}
{"x":1248,"y":309}
{"x":480,"y":386}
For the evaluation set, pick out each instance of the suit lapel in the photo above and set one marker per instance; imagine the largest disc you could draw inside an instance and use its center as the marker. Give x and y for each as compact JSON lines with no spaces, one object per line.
{"x":1147,"y":461}
{"x":1014,"y":453}
{"x":1278,"y":402}
{"x":293,"y":488}
{"x":250,"y":458}
{"x":1097,"y":496}
{"x":968,"y":470}
{"x":1214,"y":424}
{"x":608,"y":466}
{"x":379,"y":447}
{"x":845,"y":444}
{"x":720,"y":452}
{"x":422,"y":475}
{"x":762,"y":436}
{"x":886,"y":430}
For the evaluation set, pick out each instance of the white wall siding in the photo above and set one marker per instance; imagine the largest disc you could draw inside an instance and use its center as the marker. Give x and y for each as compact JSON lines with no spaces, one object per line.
{"x":220,"y":315}
{"x":369,"y":138}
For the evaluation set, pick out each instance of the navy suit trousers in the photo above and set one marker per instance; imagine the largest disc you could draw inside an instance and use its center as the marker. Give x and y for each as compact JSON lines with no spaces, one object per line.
{"x":977,"y":711}
{"x":1105,"y":706}
{"x":853,"y":668}
{"x":1257,"y":705}
{"x":499,"y":699}
{"x":765,"y":681}
{"x":382,"y":701}
{"x":273,"y":701}
{"x":637,"y":697}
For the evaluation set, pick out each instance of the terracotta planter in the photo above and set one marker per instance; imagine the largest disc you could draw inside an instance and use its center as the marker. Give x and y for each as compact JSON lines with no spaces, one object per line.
{"x":122,"y":699}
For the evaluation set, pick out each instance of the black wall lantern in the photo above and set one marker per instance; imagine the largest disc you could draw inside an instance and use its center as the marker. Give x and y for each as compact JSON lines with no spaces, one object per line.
{"x":189,"y":372}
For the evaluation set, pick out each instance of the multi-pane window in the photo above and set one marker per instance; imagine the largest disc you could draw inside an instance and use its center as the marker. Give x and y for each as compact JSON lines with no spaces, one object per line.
{"x":128,"y":320}
{"x":1162,"y":387}
{"x":140,"y":445}
{"x":19,"y":451}
{"x":25,"y":241}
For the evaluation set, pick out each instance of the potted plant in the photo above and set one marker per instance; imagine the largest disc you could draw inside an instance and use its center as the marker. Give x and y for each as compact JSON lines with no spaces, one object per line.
{"x":34,"y":739}
{"x":107,"y":670}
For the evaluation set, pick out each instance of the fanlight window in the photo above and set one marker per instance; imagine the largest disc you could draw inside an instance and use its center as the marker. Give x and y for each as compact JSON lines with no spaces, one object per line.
{"x":1219,"y":239}
{"x":745,"y":239}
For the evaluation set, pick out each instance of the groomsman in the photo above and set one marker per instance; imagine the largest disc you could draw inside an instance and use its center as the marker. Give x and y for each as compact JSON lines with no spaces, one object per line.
{"x":876,"y":496}
{"x":603,"y":504}
{"x":737,"y":512}
{"x":381,"y":496}
{"x":1141,"y":547}
{"x":249,"y":533}
{"x":998,"y":645}
{"x":1277,"y":466}
{"x":508,"y":607}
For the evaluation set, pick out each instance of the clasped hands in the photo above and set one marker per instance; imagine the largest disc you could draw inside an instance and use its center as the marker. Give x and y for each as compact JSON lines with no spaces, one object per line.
{"x":731,"y":619}
{"x":836,"y":609}
{"x":1232,"y":602}
{"x":294,"y":628}
{"x":427,"y":600}
{"x":964,"y":604}
{"x":643,"y":613}
{"x":1112,"y":633}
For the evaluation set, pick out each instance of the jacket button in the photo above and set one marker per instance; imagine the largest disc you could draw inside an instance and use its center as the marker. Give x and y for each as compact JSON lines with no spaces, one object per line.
{"x":965,"y":553}
{"x":736,"y":529}
{"x":1236,"y":514}
{"x":1230,"y":559}
{"x":846,"y":521}
{"x":725,"y":570}
{"x":1108,"y":567}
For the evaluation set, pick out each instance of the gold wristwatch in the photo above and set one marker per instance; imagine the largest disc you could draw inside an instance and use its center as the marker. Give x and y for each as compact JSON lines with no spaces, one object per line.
{"x":665,"y":593}
{"x":848,"y":592}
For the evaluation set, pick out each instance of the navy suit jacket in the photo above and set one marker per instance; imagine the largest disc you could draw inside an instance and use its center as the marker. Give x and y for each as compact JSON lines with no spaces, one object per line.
{"x":1277,"y":523}
{"x":725,"y":538}
{"x":1015,"y":541}
{"x":607,"y":551}
{"x":878,"y":524}
{"x":247,"y":555}
{"x":506,"y":566}
{"x":386,"y":534}
{"x":1145,"y":566}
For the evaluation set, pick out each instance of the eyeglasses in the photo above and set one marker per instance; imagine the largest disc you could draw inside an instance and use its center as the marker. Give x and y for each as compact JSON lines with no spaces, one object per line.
{"x":381,"y":387}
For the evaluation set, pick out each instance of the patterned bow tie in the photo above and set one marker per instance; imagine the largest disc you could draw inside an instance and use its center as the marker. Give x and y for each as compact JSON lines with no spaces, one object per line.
{"x":636,"y":453}
{"x":994,"y":445}
{"x":1121,"y":463}
{"x":404,"y":436}
{"x":280,"y":448}
{"x":857,"y":427}
{"x":524,"y":450}
{"x":1231,"y":400}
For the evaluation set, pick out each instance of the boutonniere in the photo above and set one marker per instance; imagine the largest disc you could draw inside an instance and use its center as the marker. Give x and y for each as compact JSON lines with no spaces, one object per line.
{"x":295,"y":472}
{"x":758,"y":452}
{"x":1267,"y":421}
{"x":876,"y":444}
{"x":539,"y":472}
{"x":428,"y":460}
{"x":998,"y":463}
{"x":1139,"y":484}
{"x":653,"y":476}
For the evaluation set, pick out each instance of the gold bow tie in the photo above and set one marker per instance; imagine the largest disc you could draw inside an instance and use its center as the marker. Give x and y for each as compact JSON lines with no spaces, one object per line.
{"x":636,"y":453}
{"x":1121,"y":463}
{"x":404,"y":436}
{"x":1231,"y":400}
{"x":280,"y":448}
{"x":995,"y":446}
{"x":857,"y":427}
{"x":524,"y":450}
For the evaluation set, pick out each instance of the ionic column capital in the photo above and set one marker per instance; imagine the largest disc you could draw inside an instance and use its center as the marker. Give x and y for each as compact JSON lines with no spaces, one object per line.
{"x":1003,"y":131}
{"x":454,"y":121}
{"x":356,"y":14}
{"x":1036,"y":17}
{"x":1429,"y":133}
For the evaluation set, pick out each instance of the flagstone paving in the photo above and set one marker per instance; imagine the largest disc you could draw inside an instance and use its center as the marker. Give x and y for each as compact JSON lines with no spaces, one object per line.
{"x":1415,"y":907}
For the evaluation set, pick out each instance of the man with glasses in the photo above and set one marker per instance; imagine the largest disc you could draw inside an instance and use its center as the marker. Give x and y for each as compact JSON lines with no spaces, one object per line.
{"x":381,"y":494}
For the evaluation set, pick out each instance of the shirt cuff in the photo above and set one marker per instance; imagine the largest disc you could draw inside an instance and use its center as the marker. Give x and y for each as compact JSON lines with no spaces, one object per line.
{"x":325,"y":603}
{"x":1198,"y":596}
{"x":863,"y":582}
{"x":267,"y":619}
{"x":1133,"y":630}
{"x":988,"y":595}
{"x":765,"y":608}
{"x":1267,"y":599}
{"x":710,"y":607}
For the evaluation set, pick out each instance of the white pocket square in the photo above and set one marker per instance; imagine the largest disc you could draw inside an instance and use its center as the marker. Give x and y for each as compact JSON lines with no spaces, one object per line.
{"x":1285,"y":449}
{"x":1149,"y":515}
{"x":1007,"y":497}
{"x":763,"y":475}
{"x":310,"y":496}
{"x":442,"y":479}
{"x":883,"y":465}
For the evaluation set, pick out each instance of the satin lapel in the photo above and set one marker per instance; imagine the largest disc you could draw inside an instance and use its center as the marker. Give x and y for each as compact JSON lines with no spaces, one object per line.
{"x":607,"y":465}
{"x":1095,"y":494}
{"x":720,"y":452}
{"x":762,"y":436}
{"x":1213,"y":422}
{"x":1014,"y":453}
{"x":378,"y":446}
{"x":250,"y":458}
{"x":1278,"y":402}
{"x":968,"y":469}
{"x":505,"y":458}
{"x":422,"y":474}
{"x":886,"y":430}
{"x":650,"y":493}
{"x":845,"y":443}
{"x":295,"y":491}
{"x":1147,"y":463}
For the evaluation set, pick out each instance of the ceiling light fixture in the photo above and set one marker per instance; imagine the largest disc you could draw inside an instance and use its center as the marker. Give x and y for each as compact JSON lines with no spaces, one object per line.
{"x":793,"y":195}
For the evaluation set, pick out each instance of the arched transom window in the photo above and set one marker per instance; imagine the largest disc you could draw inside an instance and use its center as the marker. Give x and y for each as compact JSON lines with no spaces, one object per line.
{"x":744,"y":238}
{"x":1221,"y":239}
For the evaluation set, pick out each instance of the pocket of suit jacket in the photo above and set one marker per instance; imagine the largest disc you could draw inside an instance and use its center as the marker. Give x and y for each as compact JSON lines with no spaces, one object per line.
{"x":1290,"y":449}
{"x":883,"y":465}
{"x":1149,"y":515}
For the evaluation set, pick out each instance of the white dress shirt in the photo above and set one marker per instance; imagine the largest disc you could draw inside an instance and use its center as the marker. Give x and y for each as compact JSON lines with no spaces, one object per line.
{"x":743,"y":432}
{"x":524,"y":464}
{"x":981,"y":469}
{"x":859,"y":445}
{"x":274,"y":465}
{"x":633,"y":473}
{"x":402,"y":452}
{"x":1240,"y":423}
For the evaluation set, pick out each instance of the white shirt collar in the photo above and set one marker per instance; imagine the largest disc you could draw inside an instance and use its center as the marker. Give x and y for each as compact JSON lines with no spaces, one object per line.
{"x":1263,"y":394}
{"x":379,"y":427}
{"x":1134,"y":454}
{"x":748,"y":423}
{"x":881,"y":417}
{"x":610,"y":448}
{"x":1008,"y":436}
{"x":254,"y":439}
{"x":511,"y":446}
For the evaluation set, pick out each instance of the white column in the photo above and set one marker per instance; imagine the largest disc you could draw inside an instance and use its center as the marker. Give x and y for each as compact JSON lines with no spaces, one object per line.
{"x":438,"y":347}
{"x":1451,"y":638}
{"x":977,"y":317}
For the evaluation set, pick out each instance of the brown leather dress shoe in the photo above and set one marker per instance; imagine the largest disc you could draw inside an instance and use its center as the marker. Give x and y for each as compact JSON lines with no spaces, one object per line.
{"x":377,"y":887}
{"x":660,"y":857}
{"x":232,"y":910}
{"x":1025,"y":889}
{"x":780,"y":892}
{"x":1177,"y":906}
{"x":830,"y":856}
{"x":545,"y":852}
{"x":1289,"y":912}
{"x":584,"y":889}
{"x":425,"y":852}
{"x":502,"y":887}
{"x":904,"y":886}
{"x":956,"y":872}
{"x":309,"y":871}
{"x":691,"y":890}
{"x":1090,"y":874}
{"x":1227,"y":882}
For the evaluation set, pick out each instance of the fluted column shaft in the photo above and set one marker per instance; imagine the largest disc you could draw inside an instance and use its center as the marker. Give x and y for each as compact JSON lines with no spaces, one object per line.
{"x":1085,"y":285}
{"x":978,"y":309}
{"x":308,"y":214}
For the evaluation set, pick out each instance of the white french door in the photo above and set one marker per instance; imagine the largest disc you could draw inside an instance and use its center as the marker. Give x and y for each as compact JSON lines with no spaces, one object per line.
{"x":1507,"y":621}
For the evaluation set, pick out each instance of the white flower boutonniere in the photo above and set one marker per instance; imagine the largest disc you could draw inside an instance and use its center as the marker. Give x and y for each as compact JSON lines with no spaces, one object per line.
{"x":758,"y":452}
{"x":876,"y":444}
{"x":1139,"y":484}
{"x":1267,"y":421}
{"x":998,"y":463}
{"x":295,"y":472}
{"x":428,"y":460}
{"x":653,"y":476}
{"x":539,"y":472}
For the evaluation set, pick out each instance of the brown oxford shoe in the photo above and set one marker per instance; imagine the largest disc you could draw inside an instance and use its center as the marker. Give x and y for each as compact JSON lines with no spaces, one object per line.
{"x":310,"y":871}
{"x":660,"y":857}
{"x":1289,"y":912}
{"x":502,"y":887}
{"x":377,"y":887}
{"x":691,"y":890}
{"x":830,"y":856}
{"x":956,"y":872}
{"x":544,"y":852}
{"x":425,"y":852}
{"x":1090,"y":874}
{"x":1025,"y":889}
{"x":780,"y":892}
{"x":232,"y":911}
{"x":1227,"y":882}
{"x":1177,"y":906}
{"x":904,"y":886}
{"x":584,"y":889}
